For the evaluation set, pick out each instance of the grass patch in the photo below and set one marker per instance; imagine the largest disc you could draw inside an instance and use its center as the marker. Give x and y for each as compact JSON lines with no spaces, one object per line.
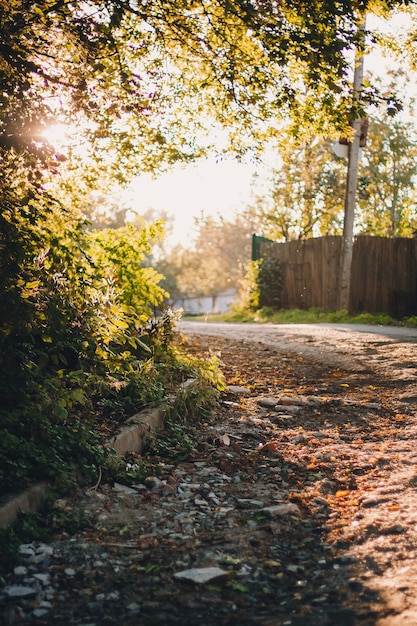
{"x":304,"y":316}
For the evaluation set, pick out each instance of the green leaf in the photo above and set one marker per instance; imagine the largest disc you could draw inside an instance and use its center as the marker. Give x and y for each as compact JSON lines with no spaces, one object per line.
{"x":61,"y":412}
{"x":78,"y":395}
{"x":120,"y":323}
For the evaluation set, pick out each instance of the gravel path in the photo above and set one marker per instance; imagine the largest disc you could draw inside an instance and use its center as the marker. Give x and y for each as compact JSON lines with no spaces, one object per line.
{"x":295,"y":506}
{"x":362,"y":348}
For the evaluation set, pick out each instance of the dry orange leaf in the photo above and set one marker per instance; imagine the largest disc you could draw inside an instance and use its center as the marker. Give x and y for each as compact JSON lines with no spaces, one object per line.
{"x":342,"y":493}
{"x":271,"y":446}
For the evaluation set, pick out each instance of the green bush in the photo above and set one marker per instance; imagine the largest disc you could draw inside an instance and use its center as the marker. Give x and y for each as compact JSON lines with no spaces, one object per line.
{"x":269,"y":284}
{"x":80,"y":348}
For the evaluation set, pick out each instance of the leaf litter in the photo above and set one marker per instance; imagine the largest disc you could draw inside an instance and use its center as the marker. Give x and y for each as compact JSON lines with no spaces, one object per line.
{"x":277,"y":516}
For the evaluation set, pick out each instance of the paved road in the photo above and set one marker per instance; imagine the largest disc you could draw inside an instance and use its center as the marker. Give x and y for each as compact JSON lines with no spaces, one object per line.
{"x":389,"y":350}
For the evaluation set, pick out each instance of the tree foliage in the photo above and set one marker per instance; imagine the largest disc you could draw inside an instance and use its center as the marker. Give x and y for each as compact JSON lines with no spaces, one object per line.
{"x":387,"y":181}
{"x":121,"y":252}
{"x":307,"y":191}
{"x":120,"y":63}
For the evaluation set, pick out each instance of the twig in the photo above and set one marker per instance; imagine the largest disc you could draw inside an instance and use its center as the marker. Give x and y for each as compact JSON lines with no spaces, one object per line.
{"x":100,"y":475}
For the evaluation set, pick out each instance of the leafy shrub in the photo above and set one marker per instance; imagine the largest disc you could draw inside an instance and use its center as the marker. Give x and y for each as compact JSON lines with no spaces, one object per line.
{"x":80,"y":348}
{"x":269,"y":283}
{"x":260,"y":288}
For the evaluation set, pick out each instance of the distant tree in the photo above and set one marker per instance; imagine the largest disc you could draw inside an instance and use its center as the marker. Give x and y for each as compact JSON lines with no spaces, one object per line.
{"x":306,"y":194}
{"x":387,"y":192}
{"x":217,"y":259}
{"x":387,"y":184}
{"x":170,"y":266}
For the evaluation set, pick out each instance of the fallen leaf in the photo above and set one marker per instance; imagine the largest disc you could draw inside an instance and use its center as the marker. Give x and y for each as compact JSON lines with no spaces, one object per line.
{"x":271,"y":446}
{"x":342,"y":493}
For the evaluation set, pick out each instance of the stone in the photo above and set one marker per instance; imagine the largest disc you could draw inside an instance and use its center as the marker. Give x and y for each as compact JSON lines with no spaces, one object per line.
{"x":37,"y":555}
{"x":249,"y":502}
{"x":297,"y":401}
{"x":372,"y":501}
{"x":43,"y":578}
{"x":113,"y":595}
{"x":267,"y":403}
{"x":38,"y":613}
{"x":70,"y":572}
{"x":124,"y":489}
{"x":396,"y":529}
{"x":280,"y":510}
{"x":314,"y":400}
{"x":238,"y":391}
{"x":19,"y":591}
{"x":287,"y":408}
{"x":202,"y":575}
{"x":299,"y":439}
{"x":27,"y":549}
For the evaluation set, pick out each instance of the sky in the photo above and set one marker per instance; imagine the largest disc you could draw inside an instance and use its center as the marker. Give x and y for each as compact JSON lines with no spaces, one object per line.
{"x":208,"y":188}
{"x":216,"y":188}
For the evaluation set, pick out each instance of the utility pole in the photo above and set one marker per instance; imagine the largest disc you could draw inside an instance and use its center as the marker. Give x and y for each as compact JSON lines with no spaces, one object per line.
{"x":351,"y":186}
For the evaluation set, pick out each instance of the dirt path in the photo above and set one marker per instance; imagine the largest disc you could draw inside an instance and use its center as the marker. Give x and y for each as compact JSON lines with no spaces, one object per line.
{"x":351,"y":346}
{"x":295,"y":505}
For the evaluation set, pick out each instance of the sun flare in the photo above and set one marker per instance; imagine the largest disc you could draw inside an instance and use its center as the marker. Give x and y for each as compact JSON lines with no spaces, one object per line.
{"x":58,"y":135}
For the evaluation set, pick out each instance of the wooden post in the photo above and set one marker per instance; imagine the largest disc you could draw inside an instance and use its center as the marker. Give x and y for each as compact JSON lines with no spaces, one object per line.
{"x":350,"y":195}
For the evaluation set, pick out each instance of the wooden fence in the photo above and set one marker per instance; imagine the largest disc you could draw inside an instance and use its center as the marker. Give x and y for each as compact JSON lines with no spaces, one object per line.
{"x":384,"y":274}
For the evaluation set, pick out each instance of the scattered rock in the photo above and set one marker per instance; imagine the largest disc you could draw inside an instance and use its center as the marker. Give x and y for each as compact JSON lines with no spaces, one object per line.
{"x":125,"y":489}
{"x":238,"y":391}
{"x":202,"y":575}
{"x":267,"y":403}
{"x":319,"y":528}
{"x":297,"y":401}
{"x":279,"y":510}
{"x":248,"y":502}
{"x":19,"y":591}
{"x":288,"y":408}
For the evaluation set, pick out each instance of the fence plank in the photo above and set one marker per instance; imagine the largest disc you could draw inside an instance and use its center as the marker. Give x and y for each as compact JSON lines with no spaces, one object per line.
{"x":384,"y":274}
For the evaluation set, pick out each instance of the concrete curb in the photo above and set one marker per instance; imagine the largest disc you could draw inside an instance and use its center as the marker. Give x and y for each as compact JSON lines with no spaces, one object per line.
{"x":130,"y":439}
{"x":29,"y":500}
{"x":132,"y":435}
